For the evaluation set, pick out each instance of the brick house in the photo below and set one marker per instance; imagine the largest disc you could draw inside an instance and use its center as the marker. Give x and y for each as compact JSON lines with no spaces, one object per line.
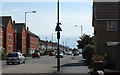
{"x":1,"y":35}
{"x":32,"y":42}
{"x":20,"y":37}
{"x":8,"y":35}
{"x":106,"y":23}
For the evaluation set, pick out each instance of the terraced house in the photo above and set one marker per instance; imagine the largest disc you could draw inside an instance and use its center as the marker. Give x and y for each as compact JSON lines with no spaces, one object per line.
{"x":7,"y":34}
{"x":1,"y":35}
{"x":20,"y":35}
{"x":32,"y":42}
{"x":106,"y":23}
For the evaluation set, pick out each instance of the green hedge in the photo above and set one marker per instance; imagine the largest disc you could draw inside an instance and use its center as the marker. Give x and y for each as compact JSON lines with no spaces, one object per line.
{"x":88,"y":52}
{"x":4,"y":55}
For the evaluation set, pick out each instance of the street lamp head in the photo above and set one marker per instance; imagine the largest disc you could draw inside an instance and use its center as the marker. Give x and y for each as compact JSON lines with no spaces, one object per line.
{"x":34,"y":11}
{"x":75,"y":25}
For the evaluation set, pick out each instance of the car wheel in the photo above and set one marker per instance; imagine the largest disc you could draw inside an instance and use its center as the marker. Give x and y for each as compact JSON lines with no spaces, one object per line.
{"x":19,"y":62}
{"x":7,"y":63}
{"x":24,"y":61}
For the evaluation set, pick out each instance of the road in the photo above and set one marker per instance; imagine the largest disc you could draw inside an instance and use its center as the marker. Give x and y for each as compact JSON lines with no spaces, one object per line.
{"x":45,"y":64}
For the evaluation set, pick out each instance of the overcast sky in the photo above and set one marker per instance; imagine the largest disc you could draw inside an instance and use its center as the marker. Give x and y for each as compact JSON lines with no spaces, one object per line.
{"x":43,"y":22}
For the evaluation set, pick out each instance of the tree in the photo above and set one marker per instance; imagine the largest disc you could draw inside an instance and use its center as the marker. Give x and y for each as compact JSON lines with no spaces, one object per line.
{"x":75,"y":49}
{"x":85,"y":40}
{"x":88,"y":53}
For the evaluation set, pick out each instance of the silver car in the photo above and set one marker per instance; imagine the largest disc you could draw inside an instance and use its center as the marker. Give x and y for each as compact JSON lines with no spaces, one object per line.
{"x":61,"y":55}
{"x":15,"y":57}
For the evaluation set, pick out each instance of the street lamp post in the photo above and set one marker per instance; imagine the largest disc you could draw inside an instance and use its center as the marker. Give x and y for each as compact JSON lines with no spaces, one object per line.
{"x":66,"y":44}
{"x":26,"y":15}
{"x":81,"y":29}
{"x":58,"y":29}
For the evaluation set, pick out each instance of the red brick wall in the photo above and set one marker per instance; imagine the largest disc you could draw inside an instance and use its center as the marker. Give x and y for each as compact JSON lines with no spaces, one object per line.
{"x":34,"y":41}
{"x":1,"y":36}
{"x":9,"y":42}
{"x":24,"y":41}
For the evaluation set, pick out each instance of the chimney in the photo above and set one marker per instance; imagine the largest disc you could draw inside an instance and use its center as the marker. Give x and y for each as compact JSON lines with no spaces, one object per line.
{"x":27,"y":28}
{"x":13,"y":22}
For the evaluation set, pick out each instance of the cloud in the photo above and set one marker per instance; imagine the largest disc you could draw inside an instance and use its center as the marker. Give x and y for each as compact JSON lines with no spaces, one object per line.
{"x":15,"y":10}
{"x":11,"y":11}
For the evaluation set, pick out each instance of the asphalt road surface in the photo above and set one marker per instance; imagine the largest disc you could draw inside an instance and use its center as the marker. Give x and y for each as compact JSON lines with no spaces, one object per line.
{"x":45,"y":64}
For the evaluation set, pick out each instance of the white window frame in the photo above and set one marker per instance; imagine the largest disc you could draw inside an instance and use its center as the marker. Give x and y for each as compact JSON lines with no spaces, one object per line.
{"x":11,"y":37}
{"x":112,"y":26}
{"x":11,"y":48}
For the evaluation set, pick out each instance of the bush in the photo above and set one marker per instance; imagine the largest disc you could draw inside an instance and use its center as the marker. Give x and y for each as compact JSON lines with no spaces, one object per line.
{"x":97,"y":57}
{"x":4,"y":55}
{"x":36,"y":50}
{"x":88,"y":53}
{"x":41,"y":53}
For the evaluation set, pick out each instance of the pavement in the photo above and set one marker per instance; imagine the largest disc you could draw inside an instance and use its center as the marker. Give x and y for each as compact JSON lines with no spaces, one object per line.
{"x":75,"y":67}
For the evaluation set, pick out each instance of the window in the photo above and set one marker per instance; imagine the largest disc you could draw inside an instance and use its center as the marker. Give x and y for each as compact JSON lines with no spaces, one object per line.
{"x":112,"y":26}
{"x":8,"y":36}
{"x":11,"y":37}
{"x":1,"y":40}
{"x":24,"y":40}
{"x":11,"y":48}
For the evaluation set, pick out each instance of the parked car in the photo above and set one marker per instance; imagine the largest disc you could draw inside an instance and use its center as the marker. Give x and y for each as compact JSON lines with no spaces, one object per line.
{"x":25,"y":55}
{"x":80,"y":52}
{"x":61,"y":55}
{"x":52,"y":54}
{"x":69,"y":53}
{"x":76,"y":53}
{"x":15,"y":57}
{"x":36,"y":54}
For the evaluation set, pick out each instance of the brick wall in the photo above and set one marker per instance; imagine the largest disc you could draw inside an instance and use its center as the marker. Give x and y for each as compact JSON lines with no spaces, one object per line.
{"x":1,"y":37}
{"x":24,"y":41}
{"x":34,"y":41}
{"x":9,"y":38}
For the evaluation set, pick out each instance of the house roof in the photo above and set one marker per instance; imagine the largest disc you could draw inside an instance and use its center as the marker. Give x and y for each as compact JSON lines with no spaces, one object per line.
{"x":4,"y":20}
{"x":32,"y":34}
{"x":19,"y":27}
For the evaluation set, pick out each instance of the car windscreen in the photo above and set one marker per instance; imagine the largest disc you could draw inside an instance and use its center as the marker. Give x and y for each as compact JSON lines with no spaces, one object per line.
{"x":75,"y":52}
{"x":12,"y":55}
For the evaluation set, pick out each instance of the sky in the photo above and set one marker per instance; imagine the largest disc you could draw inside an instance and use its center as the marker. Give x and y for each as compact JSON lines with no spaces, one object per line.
{"x":43,"y":22}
